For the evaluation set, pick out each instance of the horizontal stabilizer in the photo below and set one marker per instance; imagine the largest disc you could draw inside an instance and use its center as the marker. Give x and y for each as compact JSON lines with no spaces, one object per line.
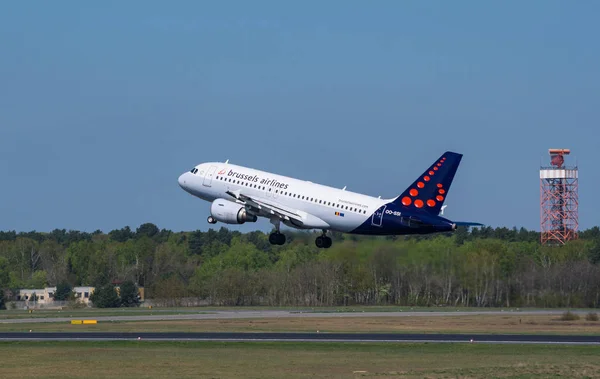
{"x":467,"y":223}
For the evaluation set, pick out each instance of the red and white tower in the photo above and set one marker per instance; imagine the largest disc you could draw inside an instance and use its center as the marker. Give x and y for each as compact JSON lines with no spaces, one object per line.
{"x":559,"y":201}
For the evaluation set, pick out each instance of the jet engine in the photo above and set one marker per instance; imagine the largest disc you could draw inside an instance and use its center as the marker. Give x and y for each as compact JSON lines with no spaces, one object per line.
{"x":229,"y":212}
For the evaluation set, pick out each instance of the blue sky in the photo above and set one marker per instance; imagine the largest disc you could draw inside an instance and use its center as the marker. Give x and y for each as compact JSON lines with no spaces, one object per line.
{"x":103,"y":105}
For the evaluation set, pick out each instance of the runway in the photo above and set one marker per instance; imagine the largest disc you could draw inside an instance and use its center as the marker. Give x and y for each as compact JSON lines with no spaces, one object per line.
{"x":262,"y":314}
{"x":305,"y":337}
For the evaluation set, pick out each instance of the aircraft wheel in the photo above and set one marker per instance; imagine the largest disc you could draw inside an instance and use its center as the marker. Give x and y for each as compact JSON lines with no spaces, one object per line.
{"x":319,"y":241}
{"x":211,"y":220}
{"x":327,"y":242}
{"x":273,"y":238}
{"x":277,"y":238}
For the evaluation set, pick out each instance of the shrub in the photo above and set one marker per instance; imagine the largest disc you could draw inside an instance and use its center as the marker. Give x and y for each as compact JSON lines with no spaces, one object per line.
{"x":569,"y":316}
{"x":592,"y":316}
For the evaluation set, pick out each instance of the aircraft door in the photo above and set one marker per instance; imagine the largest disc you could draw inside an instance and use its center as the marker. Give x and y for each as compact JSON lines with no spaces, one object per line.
{"x":209,"y":176}
{"x":271,"y":192}
{"x":378,"y":216}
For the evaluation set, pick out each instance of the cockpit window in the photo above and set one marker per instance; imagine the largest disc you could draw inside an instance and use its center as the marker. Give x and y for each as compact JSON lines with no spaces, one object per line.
{"x":194,"y":170}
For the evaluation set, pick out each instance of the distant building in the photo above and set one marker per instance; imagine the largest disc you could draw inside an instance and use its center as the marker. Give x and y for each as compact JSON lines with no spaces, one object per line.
{"x":45,"y":296}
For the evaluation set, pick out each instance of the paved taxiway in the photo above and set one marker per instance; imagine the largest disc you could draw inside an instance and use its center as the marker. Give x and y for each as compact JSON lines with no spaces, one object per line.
{"x":304,"y":337}
{"x":250,"y":314}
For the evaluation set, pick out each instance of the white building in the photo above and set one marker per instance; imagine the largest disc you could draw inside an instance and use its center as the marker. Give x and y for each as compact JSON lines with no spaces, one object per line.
{"x":45,"y":296}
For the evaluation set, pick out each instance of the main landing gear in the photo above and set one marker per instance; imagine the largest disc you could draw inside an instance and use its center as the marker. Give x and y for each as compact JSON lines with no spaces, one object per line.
{"x":211,"y":220}
{"x":323,"y":242}
{"x":276,"y":238}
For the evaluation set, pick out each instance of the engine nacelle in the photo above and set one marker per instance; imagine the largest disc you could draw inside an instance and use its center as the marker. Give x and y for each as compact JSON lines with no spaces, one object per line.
{"x":229,"y":212}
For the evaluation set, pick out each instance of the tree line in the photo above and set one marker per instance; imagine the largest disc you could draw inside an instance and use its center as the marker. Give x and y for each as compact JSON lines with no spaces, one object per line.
{"x":481,"y":267}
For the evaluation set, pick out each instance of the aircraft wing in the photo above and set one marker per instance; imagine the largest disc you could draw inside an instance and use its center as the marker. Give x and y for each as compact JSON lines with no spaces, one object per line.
{"x":278,"y":210}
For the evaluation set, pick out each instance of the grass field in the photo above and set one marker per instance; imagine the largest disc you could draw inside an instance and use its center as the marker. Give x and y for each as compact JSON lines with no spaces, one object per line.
{"x":510,"y":323}
{"x":293,"y":360}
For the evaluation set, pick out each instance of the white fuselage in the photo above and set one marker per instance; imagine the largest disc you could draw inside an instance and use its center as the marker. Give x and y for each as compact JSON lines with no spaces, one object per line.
{"x":341,"y":210}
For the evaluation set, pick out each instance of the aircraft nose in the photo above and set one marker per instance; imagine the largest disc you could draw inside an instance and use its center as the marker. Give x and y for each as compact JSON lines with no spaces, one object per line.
{"x":181,"y":180}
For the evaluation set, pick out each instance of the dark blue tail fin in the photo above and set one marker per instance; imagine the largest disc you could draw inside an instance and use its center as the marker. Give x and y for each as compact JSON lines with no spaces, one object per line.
{"x":429,"y":191}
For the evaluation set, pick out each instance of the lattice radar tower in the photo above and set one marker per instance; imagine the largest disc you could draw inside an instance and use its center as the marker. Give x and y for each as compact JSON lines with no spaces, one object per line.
{"x":559,"y":202}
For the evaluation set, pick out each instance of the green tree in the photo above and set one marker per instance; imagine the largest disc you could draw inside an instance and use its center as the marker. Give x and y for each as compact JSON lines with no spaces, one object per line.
{"x":196,"y":242}
{"x":63,"y":291}
{"x":37,"y":280}
{"x":462,"y":234}
{"x":105,"y":297}
{"x":148,"y":229}
{"x":121,"y":235}
{"x":4,"y":273}
{"x":129,"y":294}
{"x":2,"y":302}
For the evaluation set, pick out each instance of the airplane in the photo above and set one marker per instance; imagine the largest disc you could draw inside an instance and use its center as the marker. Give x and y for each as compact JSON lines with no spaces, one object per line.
{"x":241,"y":194}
